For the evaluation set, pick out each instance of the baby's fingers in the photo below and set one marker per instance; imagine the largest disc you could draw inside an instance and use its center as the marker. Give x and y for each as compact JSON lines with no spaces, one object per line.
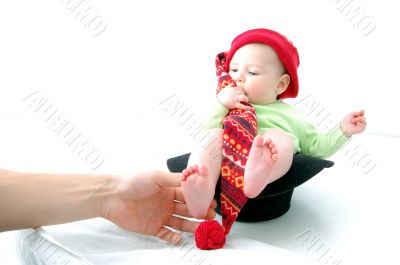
{"x":363,"y":122}
{"x":359,"y":119}
{"x":242,"y":106}
{"x":243,"y":98}
{"x":239,"y":90}
{"x":358,"y":113}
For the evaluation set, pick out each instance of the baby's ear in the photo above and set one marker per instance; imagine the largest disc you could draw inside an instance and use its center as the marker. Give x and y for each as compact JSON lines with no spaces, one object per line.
{"x":283,"y":84}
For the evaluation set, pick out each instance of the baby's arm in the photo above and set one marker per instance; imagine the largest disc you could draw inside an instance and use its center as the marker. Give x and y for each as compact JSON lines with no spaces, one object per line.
{"x":353,"y":123}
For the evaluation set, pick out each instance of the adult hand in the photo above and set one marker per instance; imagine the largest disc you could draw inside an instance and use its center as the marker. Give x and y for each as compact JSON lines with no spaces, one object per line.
{"x":147,"y":202}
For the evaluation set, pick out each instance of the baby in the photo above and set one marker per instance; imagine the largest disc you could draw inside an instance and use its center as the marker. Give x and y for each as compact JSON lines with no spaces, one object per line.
{"x":263,"y":63}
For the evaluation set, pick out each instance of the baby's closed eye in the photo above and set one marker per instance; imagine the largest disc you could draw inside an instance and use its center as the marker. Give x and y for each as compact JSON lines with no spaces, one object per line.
{"x":253,"y":73}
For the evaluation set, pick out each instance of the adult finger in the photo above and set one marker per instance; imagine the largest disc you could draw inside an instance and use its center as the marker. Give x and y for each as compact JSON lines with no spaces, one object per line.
{"x":181,"y":199}
{"x":169,"y":235}
{"x":179,"y":194}
{"x":210,"y":214}
{"x":182,"y":224}
{"x":213,"y":204}
{"x":182,"y":210}
{"x":166,"y":179}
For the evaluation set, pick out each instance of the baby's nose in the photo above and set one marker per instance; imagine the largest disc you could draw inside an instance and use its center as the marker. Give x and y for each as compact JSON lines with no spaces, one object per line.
{"x":239,"y":79}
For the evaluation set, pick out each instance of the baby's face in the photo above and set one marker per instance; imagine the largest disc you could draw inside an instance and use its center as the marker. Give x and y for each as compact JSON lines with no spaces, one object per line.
{"x":256,"y":68}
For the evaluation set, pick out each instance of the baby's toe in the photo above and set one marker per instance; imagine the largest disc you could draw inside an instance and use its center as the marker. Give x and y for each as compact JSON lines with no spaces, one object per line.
{"x":258,"y":141}
{"x":275,"y":157}
{"x":203,"y":171}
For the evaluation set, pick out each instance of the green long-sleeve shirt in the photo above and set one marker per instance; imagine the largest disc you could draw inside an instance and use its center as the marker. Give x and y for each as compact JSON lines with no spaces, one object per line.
{"x":306,"y":138}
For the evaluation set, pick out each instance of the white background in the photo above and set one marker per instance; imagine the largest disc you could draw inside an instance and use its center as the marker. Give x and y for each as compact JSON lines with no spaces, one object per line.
{"x":110,"y":86}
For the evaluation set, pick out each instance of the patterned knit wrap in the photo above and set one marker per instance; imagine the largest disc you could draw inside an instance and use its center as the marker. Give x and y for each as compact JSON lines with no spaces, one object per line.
{"x":240,"y":128}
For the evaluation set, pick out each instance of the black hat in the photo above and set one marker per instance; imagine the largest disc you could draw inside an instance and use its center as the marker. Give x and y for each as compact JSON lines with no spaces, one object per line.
{"x":274,"y":200}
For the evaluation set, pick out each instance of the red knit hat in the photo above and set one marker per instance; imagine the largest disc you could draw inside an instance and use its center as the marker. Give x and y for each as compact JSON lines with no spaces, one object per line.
{"x":285,"y":49}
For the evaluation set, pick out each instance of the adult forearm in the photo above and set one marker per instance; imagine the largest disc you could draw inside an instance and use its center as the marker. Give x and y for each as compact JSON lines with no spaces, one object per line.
{"x":35,"y":199}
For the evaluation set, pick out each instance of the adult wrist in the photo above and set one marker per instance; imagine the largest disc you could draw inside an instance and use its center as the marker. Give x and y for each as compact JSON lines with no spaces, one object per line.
{"x":107,"y":192}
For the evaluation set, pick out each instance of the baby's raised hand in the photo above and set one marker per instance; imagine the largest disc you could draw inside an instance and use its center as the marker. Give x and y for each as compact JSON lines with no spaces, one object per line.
{"x":353,"y":123}
{"x":232,"y":97}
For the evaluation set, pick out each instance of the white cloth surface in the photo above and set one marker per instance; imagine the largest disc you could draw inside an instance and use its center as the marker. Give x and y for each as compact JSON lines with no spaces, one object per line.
{"x":99,"y":242}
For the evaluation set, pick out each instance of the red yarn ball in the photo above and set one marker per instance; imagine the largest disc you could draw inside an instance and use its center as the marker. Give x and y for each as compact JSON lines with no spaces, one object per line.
{"x":209,"y":235}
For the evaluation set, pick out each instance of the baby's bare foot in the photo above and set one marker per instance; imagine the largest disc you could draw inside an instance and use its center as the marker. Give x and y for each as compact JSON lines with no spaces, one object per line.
{"x":189,"y":170}
{"x":262,"y":158}
{"x":198,"y":190}
{"x":272,"y":148}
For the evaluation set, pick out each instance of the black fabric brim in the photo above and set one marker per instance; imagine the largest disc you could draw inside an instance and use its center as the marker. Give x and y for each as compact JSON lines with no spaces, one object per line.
{"x":275,"y":199}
